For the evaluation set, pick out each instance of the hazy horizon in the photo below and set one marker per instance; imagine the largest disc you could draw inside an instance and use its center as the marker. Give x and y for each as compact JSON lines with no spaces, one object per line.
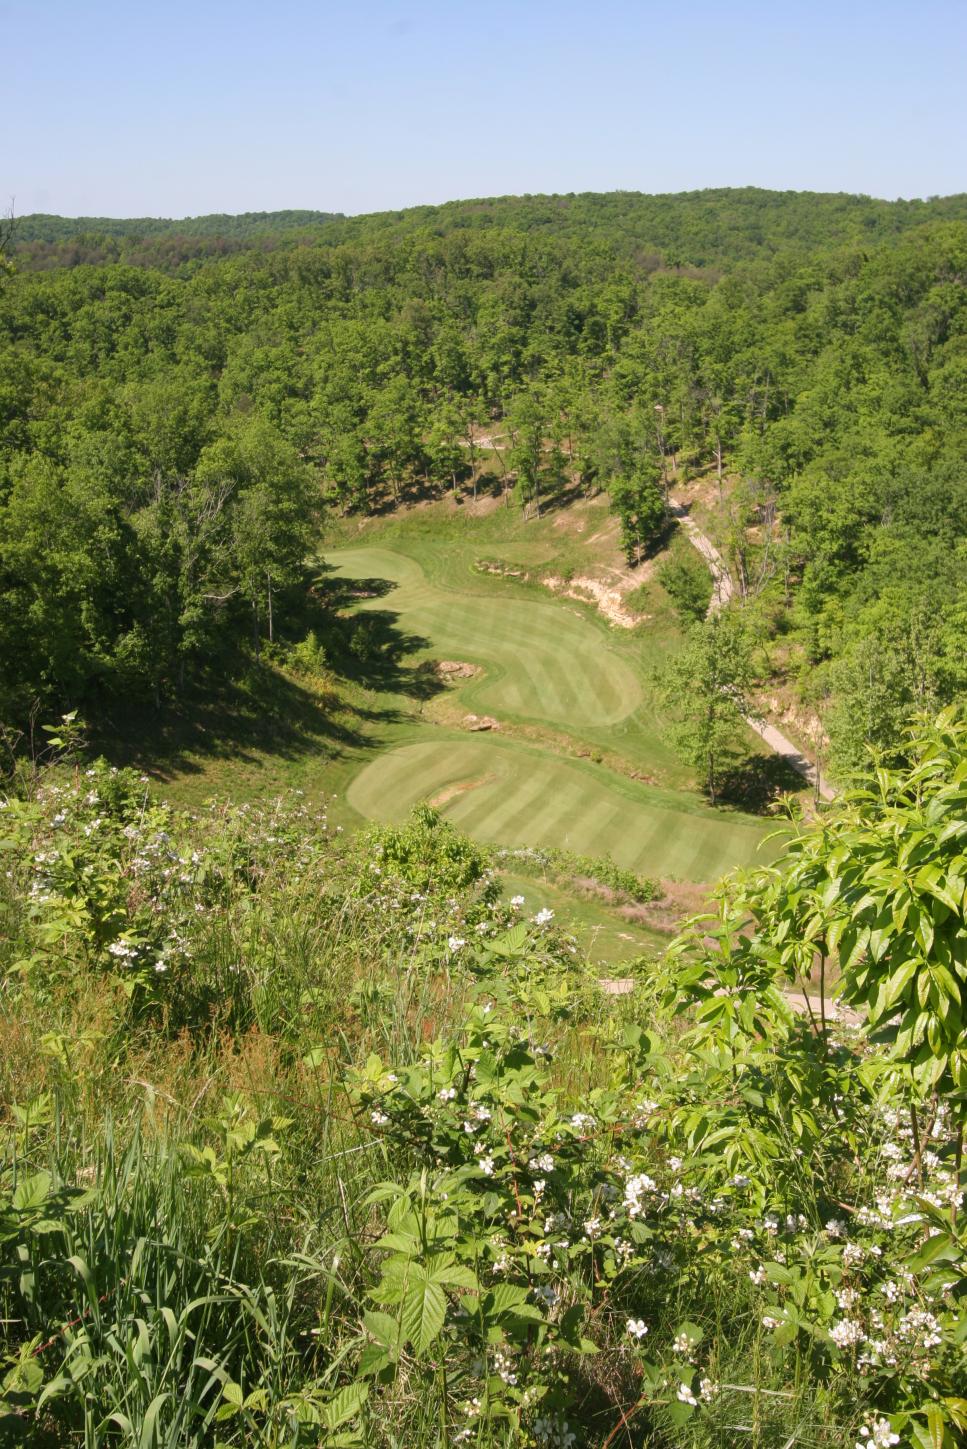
{"x":458,"y":201}
{"x":123,"y":112}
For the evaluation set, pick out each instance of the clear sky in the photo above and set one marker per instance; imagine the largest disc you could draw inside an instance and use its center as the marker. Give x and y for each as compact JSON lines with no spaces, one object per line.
{"x":136,"y":107}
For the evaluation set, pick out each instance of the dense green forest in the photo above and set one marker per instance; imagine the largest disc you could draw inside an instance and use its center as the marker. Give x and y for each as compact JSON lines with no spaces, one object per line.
{"x":172,"y":421}
{"x":325,"y":1120}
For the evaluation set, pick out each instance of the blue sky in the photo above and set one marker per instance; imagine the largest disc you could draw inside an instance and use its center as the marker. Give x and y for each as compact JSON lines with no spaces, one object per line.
{"x":132,"y":109}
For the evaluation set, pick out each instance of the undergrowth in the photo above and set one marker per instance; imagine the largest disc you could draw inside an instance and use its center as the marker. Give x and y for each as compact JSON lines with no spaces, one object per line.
{"x":316,"y":1141}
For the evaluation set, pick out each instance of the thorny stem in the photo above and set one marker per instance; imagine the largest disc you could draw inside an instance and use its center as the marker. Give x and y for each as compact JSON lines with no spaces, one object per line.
{"x":917,"y":1150}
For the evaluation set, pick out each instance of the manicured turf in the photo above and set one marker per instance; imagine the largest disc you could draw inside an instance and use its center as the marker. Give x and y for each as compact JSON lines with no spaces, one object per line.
{"x":511,"y":794}
{"x":542,"y":660}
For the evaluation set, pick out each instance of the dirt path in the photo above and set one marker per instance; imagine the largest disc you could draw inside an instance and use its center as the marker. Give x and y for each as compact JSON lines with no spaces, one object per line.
{"x":783,"y":746}
{"x":721,"y":594}
{"x":811,"y":1006}
{"x":721,"y":578}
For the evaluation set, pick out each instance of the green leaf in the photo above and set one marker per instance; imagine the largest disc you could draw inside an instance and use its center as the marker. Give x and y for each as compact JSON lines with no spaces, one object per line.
{"x":404,"y":1243}
{"x":374,"y":1359}
{"x":150,"y":1421}
{"x":940,"y":1248}
{"x":383,"y":1328}
{"x":345,"y":1404}
{"x":505,"y":1298}
{"x":424,"y":1310}
{"x":441,"y":1269}
{"x":511,"y":942}
{"x":32,"y":1192}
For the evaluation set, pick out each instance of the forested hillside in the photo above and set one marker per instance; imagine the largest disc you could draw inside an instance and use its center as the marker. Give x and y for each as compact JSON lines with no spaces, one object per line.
{"x":366,"y":1079}
{"x":173,"y":422}
{"x":698,"y":228}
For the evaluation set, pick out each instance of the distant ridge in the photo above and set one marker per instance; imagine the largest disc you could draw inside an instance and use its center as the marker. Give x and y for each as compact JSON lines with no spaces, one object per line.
{"x":45,"y":227}
{"x":703,"y":229}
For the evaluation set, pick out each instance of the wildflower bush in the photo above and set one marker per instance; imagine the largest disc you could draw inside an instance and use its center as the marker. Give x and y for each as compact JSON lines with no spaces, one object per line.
{"x":314,"y":1141}
{"x":567,"y":865}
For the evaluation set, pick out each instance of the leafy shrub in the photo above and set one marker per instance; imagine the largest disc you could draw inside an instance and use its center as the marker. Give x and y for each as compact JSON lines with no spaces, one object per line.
{"x":687,"y":581}
{"x":371,"y":1161}
{"x":308,"y":657}
{"x":568,"y":865}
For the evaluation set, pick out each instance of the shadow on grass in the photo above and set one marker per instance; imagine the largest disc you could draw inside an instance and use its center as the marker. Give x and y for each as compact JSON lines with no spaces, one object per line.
{"x":755,"y":783}
{"x":369,"y":647}
{"x":259,"y":712}
{"x":248,"y":709}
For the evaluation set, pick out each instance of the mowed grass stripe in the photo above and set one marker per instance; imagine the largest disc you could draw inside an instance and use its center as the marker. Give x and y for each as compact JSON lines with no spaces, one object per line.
{"x":521,"y":796}
{"x":547,"y":662}
{"x":510,"y":805}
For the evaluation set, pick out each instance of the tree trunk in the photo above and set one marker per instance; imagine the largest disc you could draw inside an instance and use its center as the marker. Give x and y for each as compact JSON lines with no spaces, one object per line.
{"x":256,"y":643}
{"x":271,"y":631}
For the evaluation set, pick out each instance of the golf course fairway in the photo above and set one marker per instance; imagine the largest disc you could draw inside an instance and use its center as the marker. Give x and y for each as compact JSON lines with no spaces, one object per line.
{"x":509,"y":794}
{"x":541,"y":660}
{"x":542,"y":663}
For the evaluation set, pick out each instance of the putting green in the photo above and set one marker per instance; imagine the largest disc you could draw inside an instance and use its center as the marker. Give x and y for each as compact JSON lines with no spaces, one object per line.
{"x":511,"y":794}
{"x":543,"y":661}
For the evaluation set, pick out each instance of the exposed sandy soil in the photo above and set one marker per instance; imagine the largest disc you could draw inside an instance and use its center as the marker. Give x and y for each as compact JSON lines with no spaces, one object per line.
{"x":608,"y":601}
{"x":462,"y":787}
{"x":456,"y":669}
{"x":476,"y":722}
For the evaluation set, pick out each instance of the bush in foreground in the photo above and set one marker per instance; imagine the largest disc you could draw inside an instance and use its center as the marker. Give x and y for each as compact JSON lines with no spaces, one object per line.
{"x":313,"y":1142}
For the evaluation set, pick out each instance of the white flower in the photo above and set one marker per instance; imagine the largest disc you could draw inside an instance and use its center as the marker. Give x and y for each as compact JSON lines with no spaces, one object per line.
{"x":635,"y":1189}
{"x":502,"y":1365}
{"x":486,"y":1165}
{"x":517,"y":902}
{"x":707,"y":1390}
{"x":582,"y":1122}
{"x":834,"y":1228}
{"x":447,"y":1094}
{"x":845,"y":1333}
{"x":920,"y":1328}
{"x":544,"y":917}
{"x":636,"y":1328}
{"x":685,"y":1395}
{"x":758,"y":1275}
{"x":543,"y":1163}
{"x":455,"y":943}
{"x":681,"y":1343}
{"x":877,"y":1435}
{"x":379,"y":1118}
